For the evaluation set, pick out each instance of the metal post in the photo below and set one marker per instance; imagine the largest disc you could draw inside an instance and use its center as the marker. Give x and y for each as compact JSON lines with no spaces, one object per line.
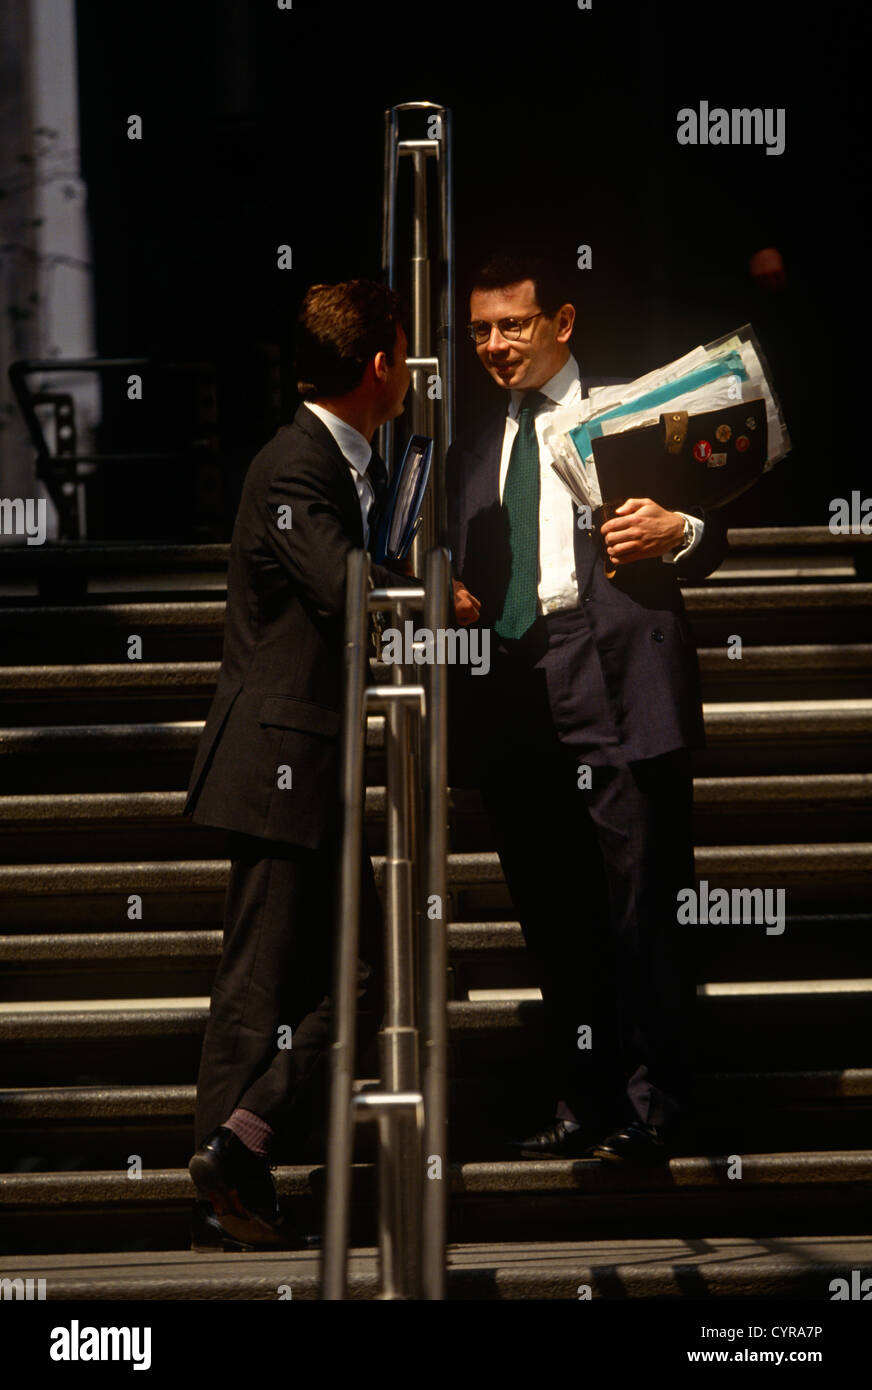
{"x":410,"y":1116}
{"x":340,"y":1147}
{"x":399,"y":1146}
{"x":431,"y":348}
{"x":385,"y":437}
{"x":420,"y":297}
{"x":434,"y":951}
{"x":446,"y":338}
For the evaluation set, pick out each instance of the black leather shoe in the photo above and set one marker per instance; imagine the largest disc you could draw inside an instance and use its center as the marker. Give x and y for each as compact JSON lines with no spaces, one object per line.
{"x":557,"y":1142}
{"x":208,"y":1235}
{"x":635,"y":1145}
{"x":239,"y":1186}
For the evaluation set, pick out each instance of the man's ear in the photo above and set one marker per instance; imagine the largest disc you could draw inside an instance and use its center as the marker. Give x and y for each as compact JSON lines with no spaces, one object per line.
{"x":380,"y":366}
{"x":565,"y":322}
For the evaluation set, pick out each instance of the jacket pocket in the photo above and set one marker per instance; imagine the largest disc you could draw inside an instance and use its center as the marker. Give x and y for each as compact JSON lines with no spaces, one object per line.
{"x":283,"y":712}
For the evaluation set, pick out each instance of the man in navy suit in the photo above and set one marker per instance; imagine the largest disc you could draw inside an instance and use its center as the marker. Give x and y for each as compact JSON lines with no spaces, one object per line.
{"x":580,"y":735}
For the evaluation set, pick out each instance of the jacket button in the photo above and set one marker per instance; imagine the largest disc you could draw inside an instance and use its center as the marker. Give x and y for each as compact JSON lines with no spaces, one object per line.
{"x":657,"y":634}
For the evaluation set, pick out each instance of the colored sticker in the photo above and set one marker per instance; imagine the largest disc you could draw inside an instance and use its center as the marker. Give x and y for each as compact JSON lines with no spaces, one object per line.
{"x":751,"y":422}
{"x":701,"y":450}
{"x":722,"y":433}
{"x":743,"y":443}
{"x":716,"y":461}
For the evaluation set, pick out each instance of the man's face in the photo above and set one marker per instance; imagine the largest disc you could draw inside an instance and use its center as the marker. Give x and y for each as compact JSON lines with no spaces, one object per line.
{"x":527,"y":362}
{"x":398,"y":378}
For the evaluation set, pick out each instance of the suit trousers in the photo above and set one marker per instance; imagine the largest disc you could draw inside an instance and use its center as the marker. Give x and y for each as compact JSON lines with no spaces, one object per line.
{"x":275,"y":975}
{"x":594,"y":852}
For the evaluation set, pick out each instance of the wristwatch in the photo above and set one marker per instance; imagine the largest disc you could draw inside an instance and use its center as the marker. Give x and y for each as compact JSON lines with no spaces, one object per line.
{"x":685,"y":539}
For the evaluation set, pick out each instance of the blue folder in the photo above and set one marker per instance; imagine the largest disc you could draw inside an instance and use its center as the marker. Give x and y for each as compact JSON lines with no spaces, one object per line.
{"x":402,"y":514}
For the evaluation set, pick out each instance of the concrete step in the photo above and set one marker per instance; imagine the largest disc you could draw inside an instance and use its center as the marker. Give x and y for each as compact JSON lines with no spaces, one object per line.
{"x":85,"y":1126}
{"x":99,"y":631}
{"x":91,"y":965}
{"x":826,"y":671}
{"x":775,"y":1024}
{"x":44,"y":1106}
{"x":790,"y":567}
{"x":804,"y":540}
{"x":715,"y":1267}
{"x":65,"y":826}
{"x":70,"y":559}
{"x":786,"y":737}
{"x":491,"y":954}
{"x":155,"y":756}
{"x":64,"y":571}
{"x":778,"y":1027}
{"x":816,"y":613}
{"x":109,"y":1210}
{"x":813,"y":736}
{"x":766,"y":614}
{"x":45,"y":966}
{"x":135,"y":557}
{"x":104,"y":692}
{"x":487,"y":1109}
{"x":94,"y":895}
{"x":798,"y":553}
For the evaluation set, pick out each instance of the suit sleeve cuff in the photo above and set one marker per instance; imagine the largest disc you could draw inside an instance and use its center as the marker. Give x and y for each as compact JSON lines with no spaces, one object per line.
{"x":697,"y":526}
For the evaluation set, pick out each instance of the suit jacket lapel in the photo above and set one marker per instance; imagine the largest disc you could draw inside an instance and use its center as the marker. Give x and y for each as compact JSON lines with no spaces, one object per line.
{"x":483,"y":480}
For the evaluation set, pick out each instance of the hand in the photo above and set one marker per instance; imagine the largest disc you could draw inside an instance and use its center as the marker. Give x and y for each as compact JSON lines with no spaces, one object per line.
{"x":466,"y":607}
{"x":641,"y":530}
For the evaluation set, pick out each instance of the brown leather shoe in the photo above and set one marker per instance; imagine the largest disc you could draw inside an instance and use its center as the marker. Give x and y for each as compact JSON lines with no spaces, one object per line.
{"x":558,"y":1142}
{"x":239,"y":1186}
{"x":208,"y":1235}
{"x":635,"y":1146}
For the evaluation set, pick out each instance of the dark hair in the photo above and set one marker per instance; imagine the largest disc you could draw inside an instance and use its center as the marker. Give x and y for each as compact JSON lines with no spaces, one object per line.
{"x":340,"y":329}
{"x":511,"y":267}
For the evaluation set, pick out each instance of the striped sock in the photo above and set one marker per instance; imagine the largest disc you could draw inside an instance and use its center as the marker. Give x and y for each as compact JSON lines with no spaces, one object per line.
{"x":254,"y":1132}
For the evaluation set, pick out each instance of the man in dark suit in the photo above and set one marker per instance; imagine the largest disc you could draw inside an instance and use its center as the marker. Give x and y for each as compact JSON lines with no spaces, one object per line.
{"x":579,"y":736}
{"x":267,"y":765}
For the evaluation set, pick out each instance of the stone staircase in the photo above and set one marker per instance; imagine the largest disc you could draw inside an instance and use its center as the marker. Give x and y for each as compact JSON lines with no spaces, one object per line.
{"x":101,"y":1017}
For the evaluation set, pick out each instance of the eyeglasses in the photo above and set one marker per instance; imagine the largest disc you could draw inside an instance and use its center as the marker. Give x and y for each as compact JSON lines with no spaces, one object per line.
{"x":480,"y":330}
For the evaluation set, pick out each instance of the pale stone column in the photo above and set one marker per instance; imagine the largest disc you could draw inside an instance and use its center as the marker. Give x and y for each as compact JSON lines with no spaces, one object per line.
{"x":46,"y":290}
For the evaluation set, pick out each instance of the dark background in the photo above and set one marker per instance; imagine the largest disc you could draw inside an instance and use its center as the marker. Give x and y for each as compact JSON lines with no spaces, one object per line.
{"x":263,"y":126}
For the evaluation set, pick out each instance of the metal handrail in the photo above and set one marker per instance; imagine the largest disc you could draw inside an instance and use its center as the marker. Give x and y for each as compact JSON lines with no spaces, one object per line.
{"x":430,"y":351}
{"x":411,"y":1102}
{"x":434,"y":951}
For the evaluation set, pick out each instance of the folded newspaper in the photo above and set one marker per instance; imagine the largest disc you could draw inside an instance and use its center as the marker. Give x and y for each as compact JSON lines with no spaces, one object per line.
{"x":730,"y":370}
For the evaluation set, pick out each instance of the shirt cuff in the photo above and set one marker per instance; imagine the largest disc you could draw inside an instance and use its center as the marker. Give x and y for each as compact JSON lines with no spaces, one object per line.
{"x":697,"y":526}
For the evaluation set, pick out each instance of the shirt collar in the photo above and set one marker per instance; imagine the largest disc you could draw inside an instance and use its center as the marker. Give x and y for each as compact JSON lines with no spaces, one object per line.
{"x":354,"y":447}
{"x":563,"y":388}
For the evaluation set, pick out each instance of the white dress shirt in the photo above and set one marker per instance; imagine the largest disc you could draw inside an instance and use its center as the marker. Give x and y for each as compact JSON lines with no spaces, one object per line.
{"x":557,"y":511}
{"x":358,"y":452}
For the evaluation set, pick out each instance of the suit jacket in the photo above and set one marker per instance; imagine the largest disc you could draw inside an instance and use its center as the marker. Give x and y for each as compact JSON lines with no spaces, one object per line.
{"x":279,"y":694}
{"x":640,"y":631}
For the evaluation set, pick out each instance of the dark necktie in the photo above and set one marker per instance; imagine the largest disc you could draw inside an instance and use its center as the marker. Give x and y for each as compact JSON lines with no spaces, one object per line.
{"x":378,"y":476}
{"x":521,"y":503}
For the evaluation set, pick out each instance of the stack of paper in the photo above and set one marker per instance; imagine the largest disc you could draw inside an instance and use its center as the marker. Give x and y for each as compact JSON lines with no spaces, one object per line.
{"x":728,"y":371}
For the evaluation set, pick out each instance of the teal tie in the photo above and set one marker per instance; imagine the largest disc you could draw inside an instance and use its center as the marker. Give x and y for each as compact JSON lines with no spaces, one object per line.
{"x":521,"y":503}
